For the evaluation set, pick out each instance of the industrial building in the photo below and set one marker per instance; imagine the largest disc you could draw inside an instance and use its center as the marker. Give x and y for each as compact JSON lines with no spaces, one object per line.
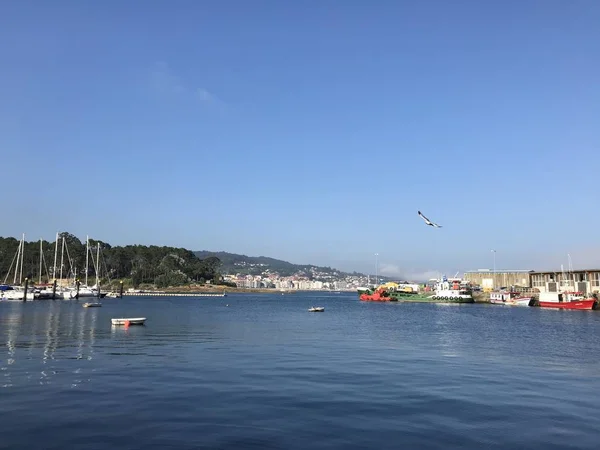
{"x":586,"y":281}
{"x":492,"y":279}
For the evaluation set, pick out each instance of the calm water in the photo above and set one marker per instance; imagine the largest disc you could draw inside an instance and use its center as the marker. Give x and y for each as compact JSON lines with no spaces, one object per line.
{"x":265,"y":373}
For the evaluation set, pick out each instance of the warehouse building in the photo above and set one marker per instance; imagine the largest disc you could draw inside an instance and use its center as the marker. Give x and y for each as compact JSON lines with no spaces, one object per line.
{"x":586,"y":281}
{"x":493,"y":279}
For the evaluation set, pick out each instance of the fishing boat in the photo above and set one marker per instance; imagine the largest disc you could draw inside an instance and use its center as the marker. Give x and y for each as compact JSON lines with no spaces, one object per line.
{"x":566,"y":300}
{"x":510,"y":298}
{"x":129,"y":321}
{"x":452,"y":293}
{"x":377,"y":295}
{"x":316,"y":309}
{"x":405,"y":292}
{"x":92,"y":305}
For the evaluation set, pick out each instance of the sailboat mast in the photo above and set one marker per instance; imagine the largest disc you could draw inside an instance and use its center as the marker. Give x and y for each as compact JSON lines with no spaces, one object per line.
{"x":18,"y":261}
{"x":41,"y":256}
{"x":98,"y":266}
{"x":22,"y":252}
{"x":87,"y":253}
{"x":55,"y":254}
{"x":62,"y":257}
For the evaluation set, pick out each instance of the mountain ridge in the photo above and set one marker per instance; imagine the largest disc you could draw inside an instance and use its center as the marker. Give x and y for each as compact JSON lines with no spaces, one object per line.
{"x":233,"y":263}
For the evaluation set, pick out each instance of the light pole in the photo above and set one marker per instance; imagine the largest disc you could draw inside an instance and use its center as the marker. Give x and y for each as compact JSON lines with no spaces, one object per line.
{"x":376,"y":270}
{"x":494,"y":272}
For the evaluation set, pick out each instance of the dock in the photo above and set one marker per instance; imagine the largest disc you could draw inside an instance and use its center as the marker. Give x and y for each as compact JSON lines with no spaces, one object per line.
{"x":171,"y":294}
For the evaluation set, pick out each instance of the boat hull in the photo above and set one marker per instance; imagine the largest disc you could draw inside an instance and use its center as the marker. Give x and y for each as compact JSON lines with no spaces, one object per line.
{"x":15,"y":296}
{"x":441,"y":299}
{"x":574,"y":304}
{"x":131,"y":321}
{"x":374,"y":298}
{"x":415,"y":298}
{"x":523,"y":301}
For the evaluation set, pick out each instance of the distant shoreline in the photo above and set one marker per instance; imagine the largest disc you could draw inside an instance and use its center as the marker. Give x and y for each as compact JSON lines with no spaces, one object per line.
{"x":217,"y":289}
{"x":479,"y":297}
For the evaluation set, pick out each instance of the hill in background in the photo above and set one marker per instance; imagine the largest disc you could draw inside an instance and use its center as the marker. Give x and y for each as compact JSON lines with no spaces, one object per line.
{"x":232,"y":263}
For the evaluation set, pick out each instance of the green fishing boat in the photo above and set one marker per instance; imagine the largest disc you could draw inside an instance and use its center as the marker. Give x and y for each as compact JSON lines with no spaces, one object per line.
{"x":443,"y":293}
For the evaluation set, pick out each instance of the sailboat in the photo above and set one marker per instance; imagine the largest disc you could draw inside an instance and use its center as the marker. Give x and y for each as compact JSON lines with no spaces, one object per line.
{"x":85,"y":291}
{"x":42,"y":292}
{"x":15,"y":291}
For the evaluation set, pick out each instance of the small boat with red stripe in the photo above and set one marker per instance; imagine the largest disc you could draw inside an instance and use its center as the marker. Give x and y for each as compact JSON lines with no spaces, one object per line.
{"x":567,"y":300}
{"x":510,"y":298}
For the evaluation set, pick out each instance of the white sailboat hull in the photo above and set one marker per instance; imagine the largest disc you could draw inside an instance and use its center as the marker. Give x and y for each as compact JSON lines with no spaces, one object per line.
{"x":15,"y":295}
{"x":83,"y":293}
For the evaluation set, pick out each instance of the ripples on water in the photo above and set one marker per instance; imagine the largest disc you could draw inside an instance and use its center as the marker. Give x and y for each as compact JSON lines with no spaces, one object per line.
{"x":264,"y":373}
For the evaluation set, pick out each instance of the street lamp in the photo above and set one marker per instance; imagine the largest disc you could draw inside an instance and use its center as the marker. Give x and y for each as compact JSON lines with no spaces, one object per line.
{"x":376,"y":270}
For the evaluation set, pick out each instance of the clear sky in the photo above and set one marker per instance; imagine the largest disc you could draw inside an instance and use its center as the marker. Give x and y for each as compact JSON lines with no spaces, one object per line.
{"x":308,"y":131}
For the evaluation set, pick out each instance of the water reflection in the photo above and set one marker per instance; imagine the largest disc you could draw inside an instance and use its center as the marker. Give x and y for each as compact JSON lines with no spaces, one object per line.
{"x":51,"y":333}
{"x":11,"y":323}
{"x":39,"y":336}
{"x":448,"y":331}
{"x":13,"y":332}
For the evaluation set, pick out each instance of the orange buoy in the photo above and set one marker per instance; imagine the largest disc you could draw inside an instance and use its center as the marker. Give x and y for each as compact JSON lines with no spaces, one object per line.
{"x":127,"y":324}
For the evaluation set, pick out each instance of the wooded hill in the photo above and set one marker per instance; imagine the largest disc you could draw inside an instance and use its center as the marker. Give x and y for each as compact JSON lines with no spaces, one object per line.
{"x":232,"y":263}
{"x":134,"y":264}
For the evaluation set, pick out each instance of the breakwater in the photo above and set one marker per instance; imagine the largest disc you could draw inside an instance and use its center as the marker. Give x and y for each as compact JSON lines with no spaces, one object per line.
{"x":172,"y":294}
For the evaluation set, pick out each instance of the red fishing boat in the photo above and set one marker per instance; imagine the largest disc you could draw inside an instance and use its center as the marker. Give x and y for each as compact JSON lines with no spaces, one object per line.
{"x":378,"y":295}
{"x":566,"y":300}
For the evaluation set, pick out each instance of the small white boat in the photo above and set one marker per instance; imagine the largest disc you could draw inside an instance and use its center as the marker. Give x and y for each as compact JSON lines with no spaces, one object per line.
{"x":129,"y":321}
{"x":511,"y":298}
{"x":316,"y":309}
{"x":92,"y":305}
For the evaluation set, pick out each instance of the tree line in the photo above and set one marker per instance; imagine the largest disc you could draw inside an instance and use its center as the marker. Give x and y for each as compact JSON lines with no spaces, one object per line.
{"x":134,"y":264}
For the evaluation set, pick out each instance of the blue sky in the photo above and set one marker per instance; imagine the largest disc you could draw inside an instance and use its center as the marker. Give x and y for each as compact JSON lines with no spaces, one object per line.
{"x":308,"y":131}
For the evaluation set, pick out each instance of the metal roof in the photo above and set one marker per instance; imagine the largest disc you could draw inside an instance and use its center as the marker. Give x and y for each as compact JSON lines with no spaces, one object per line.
{"x":500,"y":271}
{"x":565,"y":271}
{"x":536,"y":272}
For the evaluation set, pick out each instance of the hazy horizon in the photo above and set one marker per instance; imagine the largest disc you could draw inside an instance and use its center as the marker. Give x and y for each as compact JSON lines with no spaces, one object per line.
{"x":384,"y":267}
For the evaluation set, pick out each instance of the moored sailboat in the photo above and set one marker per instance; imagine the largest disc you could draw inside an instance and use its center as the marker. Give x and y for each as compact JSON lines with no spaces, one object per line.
{"x":16,"y":291}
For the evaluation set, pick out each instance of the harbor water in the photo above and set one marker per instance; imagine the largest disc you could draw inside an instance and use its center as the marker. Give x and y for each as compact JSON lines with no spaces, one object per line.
{"x":261,"y":372}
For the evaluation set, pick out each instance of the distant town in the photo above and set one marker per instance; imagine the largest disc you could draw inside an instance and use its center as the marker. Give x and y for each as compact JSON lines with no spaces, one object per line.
{"x":311,"y":278}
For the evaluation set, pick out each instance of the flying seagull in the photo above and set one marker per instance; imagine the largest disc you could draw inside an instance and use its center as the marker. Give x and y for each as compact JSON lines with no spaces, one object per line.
{"x":429,"y":222}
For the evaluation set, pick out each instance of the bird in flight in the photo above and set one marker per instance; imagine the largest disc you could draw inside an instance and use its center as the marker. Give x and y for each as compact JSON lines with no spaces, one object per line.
{"x":429,"y":222}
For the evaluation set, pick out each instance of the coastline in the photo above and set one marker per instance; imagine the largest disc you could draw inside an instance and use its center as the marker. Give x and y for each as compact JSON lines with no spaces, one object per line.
{"x":218,"y":289}
{"x":479,"y":297}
